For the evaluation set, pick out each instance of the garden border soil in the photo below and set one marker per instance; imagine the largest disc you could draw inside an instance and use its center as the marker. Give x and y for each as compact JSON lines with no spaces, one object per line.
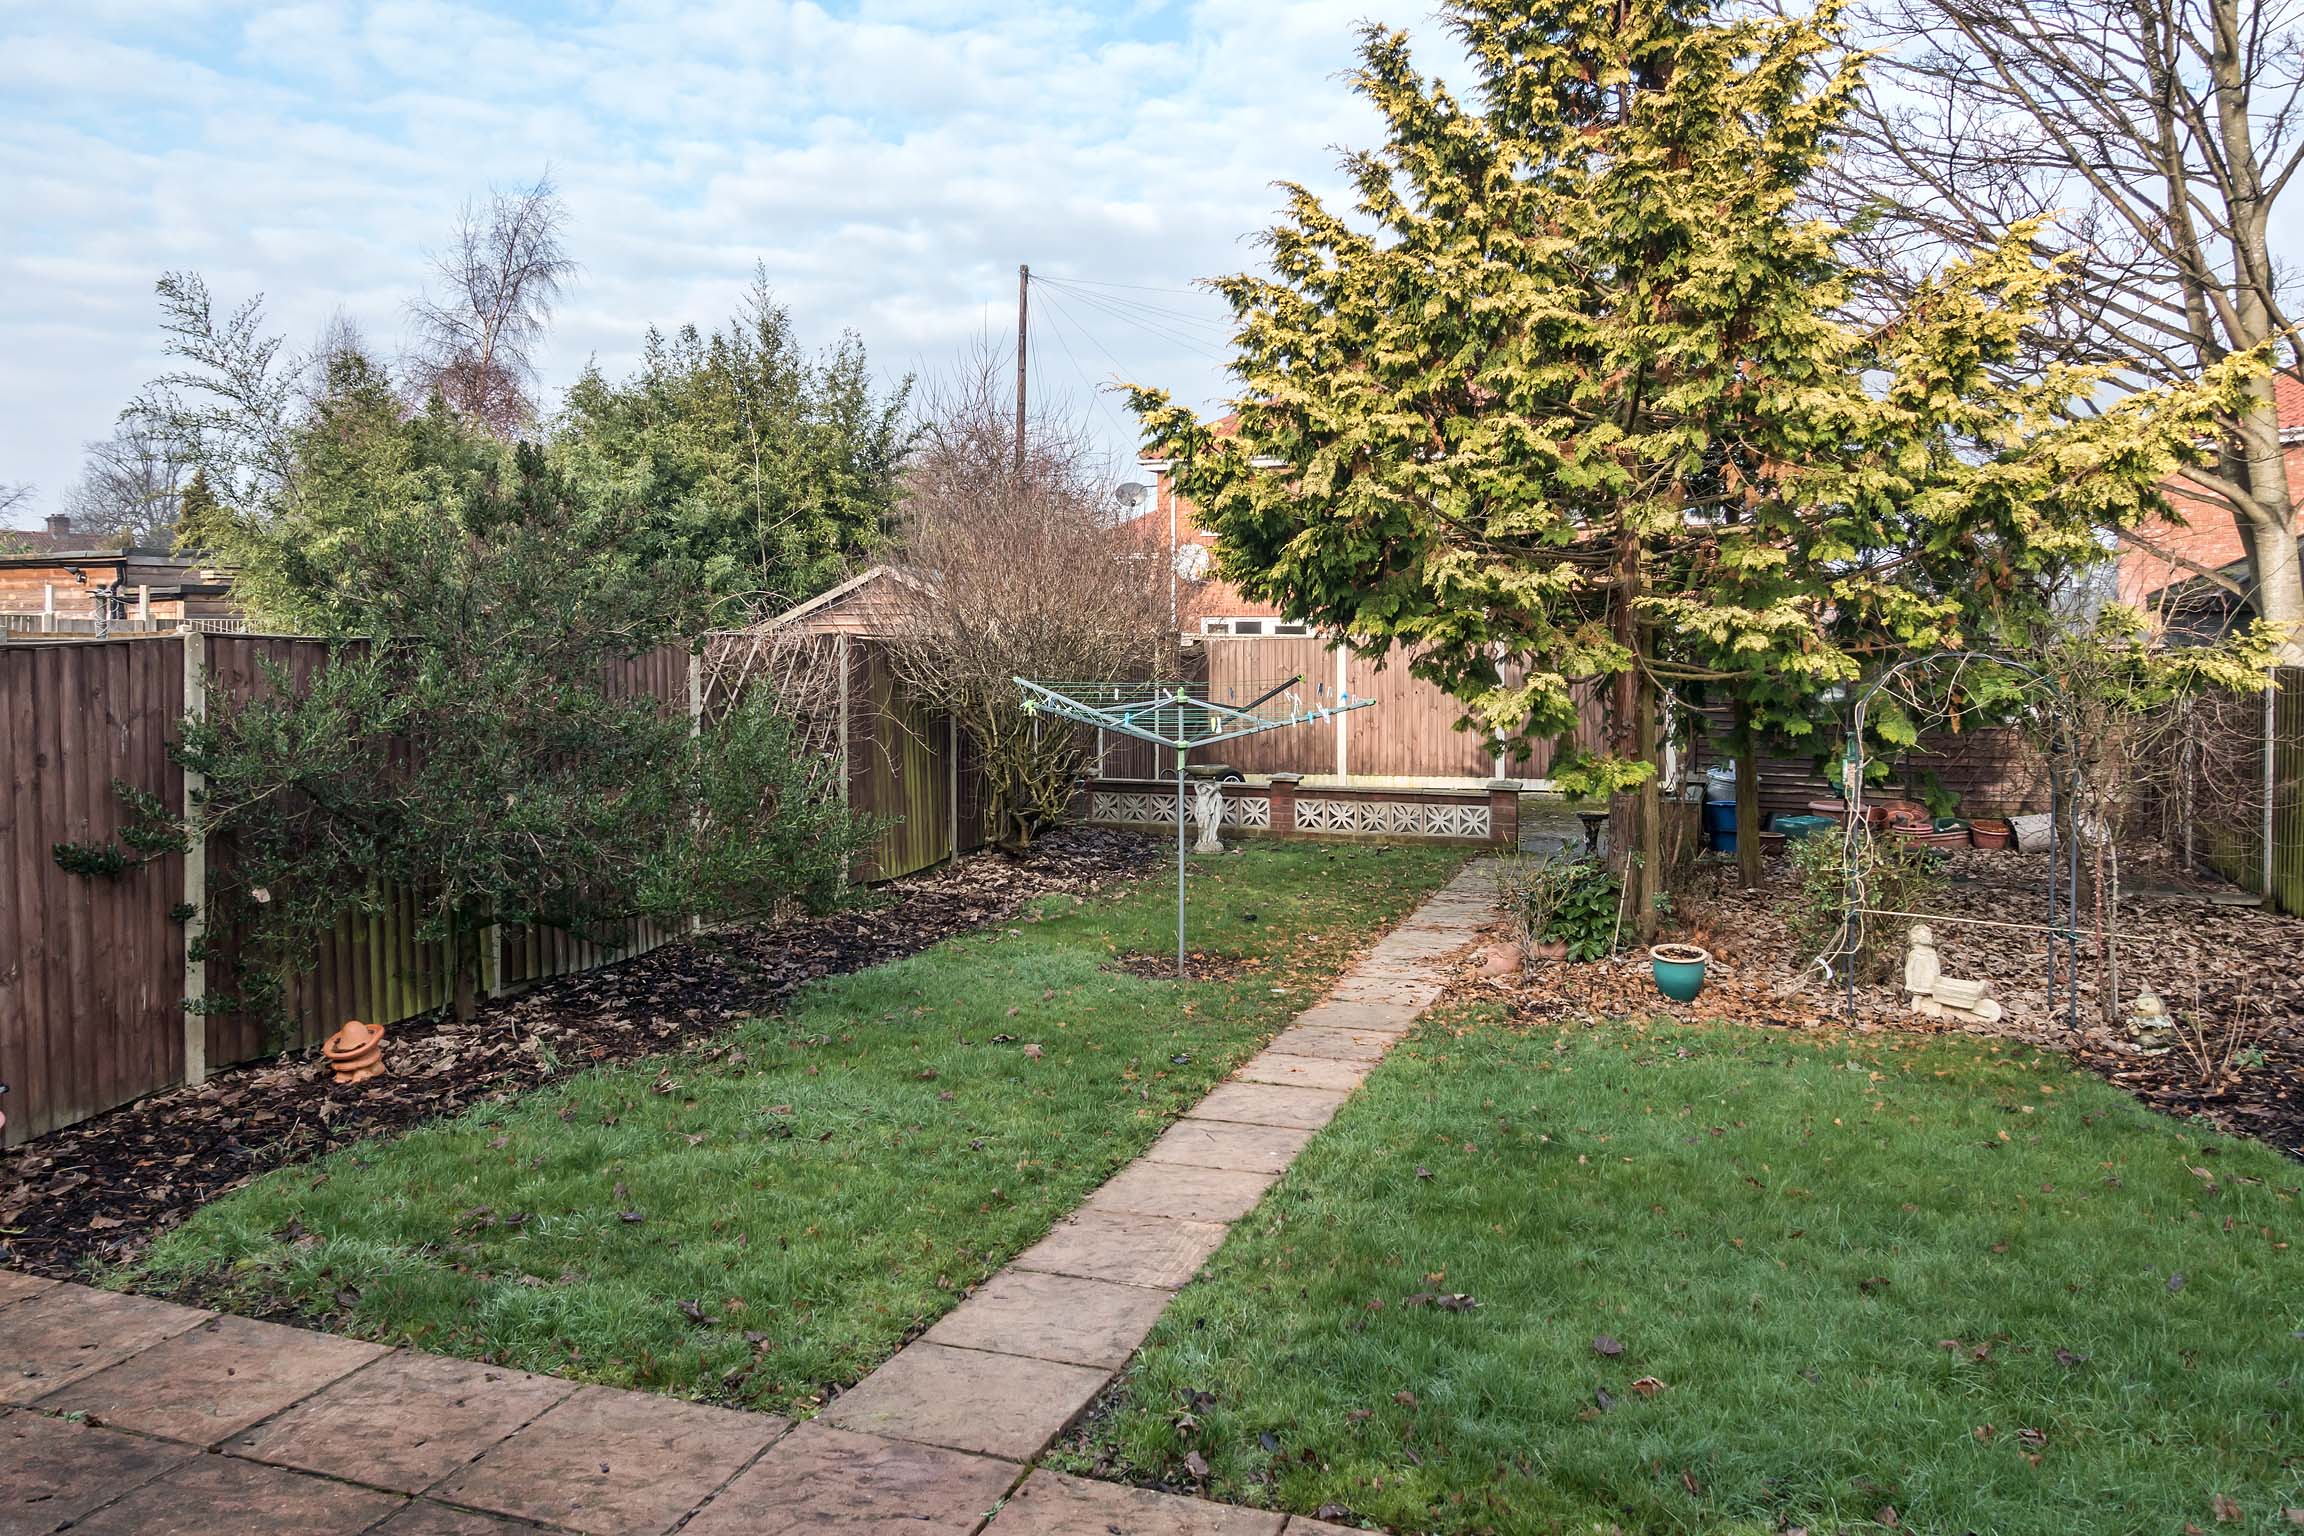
{"x":2173,"y":928}
{"x":96,"y":1193}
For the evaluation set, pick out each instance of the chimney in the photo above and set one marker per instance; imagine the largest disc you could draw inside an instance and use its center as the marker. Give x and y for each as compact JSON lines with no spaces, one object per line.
{"x":59,"y":525}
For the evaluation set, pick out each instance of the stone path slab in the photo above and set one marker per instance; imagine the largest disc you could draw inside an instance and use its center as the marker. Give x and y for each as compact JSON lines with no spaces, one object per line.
{"x":53,"y":1471}
{"x":208,"y":1495}
{"x":320,"y":1435}
{"x":1124,"y":1247}
{"x":1182,"y":1191}
{"x":820,"y":1479}
{"x":405,"y":1422}
{"x":1305,"y":1109}
{"x":1052,"y":1504}
{"x":68,"y":1332}
{"x":1304,"y":1071}
{"x":1009,"y":1406}
{"x":607,"y":1462}
{"x":213,"y":1381}
{"x":1053,"y":1317}
{"x":1335,"y":1044}
{"x":15,"y":1286}
{"x":1222,"y":1144}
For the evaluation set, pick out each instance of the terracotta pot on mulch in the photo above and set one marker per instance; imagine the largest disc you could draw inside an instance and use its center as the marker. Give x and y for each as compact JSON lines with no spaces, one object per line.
{"x":1990,"y":832}
{"x":356,"y":1051}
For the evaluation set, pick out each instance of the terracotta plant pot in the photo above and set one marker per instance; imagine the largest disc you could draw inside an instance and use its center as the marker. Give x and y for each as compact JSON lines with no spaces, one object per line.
{"x":1991,"y":833}
{"x":356,"y":1052}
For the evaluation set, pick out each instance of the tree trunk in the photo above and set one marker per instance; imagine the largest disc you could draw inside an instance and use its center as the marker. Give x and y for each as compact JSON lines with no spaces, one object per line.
{"x":1747,"y":801}
{"x":1647,"y":877}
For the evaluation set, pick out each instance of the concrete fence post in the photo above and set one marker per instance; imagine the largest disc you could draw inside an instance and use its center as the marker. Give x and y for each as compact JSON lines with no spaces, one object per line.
{"x":195,"y":869}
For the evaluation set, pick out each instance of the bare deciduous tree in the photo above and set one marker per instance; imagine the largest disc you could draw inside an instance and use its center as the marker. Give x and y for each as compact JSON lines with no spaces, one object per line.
{"x":1021,"y":574}
{"x":501,"y":275}
{"x":2162,"y":132}
{"x":15,"y":494}
{"x":132,"y":484}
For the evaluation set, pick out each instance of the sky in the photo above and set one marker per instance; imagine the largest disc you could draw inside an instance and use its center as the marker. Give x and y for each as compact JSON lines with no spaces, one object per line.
{"x":889,"y":163}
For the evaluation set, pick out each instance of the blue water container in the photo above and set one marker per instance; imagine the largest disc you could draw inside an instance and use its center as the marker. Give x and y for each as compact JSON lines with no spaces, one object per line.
{"x":1720,"y":825}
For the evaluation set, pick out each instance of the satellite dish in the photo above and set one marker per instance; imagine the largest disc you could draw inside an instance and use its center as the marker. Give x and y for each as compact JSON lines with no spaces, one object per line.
{"x":1192,"y":561}
{"x":1130,"y":494}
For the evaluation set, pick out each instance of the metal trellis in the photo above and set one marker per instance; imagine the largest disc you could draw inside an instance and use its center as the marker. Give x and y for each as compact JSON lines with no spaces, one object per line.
{"x":2063,"y":884}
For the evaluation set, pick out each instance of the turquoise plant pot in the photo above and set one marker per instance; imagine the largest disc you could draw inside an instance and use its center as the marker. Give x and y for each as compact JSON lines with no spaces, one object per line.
{"x":1679,"y":970}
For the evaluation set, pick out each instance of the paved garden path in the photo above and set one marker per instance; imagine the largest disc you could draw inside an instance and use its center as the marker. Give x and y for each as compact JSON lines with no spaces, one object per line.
{"x":122,"y":1414}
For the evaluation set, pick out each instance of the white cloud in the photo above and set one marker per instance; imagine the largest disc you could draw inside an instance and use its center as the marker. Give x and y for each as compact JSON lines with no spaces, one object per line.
{"x":891,"y":162}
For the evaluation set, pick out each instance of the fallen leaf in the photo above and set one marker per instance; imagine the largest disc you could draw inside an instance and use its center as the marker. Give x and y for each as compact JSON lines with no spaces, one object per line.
{"x":1647,"y":1386}
{"x":2227,"y":1509}
{"x":1197,"y":1465}
{"x":1032,"y":1053}
{"x":1604,"y":1345}
{"x":2175,"y":1282}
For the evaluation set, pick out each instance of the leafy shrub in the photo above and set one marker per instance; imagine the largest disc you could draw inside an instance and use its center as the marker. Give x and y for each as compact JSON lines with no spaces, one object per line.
{"x":1561,"y":900}
{"x":1898,"y":875}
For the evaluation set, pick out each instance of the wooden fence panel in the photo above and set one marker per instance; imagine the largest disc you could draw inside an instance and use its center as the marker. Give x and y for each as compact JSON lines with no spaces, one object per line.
{"x":91,"y":968}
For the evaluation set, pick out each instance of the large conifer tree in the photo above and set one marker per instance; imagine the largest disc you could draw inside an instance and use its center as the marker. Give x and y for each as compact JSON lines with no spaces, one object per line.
{"x":1581,"y":387}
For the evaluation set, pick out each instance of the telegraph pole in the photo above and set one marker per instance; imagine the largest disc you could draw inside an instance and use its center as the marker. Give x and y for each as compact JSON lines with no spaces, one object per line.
{"x":1023,"y":311}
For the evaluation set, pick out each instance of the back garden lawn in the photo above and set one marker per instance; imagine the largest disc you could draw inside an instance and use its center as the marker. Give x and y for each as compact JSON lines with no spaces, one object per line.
{"x":755,"y":1220}
{"x":1733,"y":1280}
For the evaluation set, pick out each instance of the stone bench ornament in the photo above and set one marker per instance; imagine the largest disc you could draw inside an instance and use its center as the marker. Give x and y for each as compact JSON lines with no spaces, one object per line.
{"x":1938,"y":996}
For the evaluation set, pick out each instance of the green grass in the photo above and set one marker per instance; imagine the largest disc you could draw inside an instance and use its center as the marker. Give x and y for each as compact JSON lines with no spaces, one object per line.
{"x":754,"y":1221}
{"x":1862,"y":1269}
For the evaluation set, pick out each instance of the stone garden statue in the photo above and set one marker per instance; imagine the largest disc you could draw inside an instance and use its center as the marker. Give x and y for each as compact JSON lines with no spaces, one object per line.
{"x":1208,"y":812}
{"x":1938,"y":996}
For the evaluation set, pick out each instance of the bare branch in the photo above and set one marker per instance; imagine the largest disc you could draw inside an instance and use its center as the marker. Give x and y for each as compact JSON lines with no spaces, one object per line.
{"x":501,"y":276}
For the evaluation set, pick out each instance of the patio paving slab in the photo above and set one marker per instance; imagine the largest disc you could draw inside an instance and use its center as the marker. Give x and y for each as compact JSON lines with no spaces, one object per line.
{"x":15,"y":1285}
{"x":53,"y":1471}
{"x":1053,"y":1317}
{"x":1269,"y":1104}
{"x":1182,"y":1191}
{"x":822,"y":1479}
{"x":1336,"y":1044}
{"x":405,"y":1422}
{"x":1222,"y":1144}
{"x":1051,"y":1504}
{"x":1124,"y":1247}
{"x":614,"y":1463}
{"x":69,"y":1331}
{"x":210,"y":1382}
{"x":1305,"y":1071}
{"x":424,"y":1518}
{"x":1009,"y":1406}
{"x":209,"y":1495}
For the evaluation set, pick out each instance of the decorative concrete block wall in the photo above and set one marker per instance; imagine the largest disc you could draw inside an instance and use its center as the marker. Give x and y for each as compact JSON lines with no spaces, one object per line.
{"x":1284,"y":808}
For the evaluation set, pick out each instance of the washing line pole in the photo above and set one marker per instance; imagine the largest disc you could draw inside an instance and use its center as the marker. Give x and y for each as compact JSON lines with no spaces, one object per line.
{"x":1180,"y":864}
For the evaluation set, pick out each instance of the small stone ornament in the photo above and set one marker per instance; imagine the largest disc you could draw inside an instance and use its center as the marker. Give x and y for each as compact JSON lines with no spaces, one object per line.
{"x":2149,"y":1027}
{"x":1938,"y":996}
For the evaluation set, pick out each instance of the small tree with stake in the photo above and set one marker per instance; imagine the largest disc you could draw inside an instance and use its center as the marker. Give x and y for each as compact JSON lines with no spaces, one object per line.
{"x":1579,"y":389}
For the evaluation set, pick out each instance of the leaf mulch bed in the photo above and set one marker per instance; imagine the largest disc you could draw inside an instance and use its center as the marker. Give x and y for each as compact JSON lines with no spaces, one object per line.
{"x":1198,"y":967}
{"x":2232,"y":975}
{"x":97,"y":1192}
